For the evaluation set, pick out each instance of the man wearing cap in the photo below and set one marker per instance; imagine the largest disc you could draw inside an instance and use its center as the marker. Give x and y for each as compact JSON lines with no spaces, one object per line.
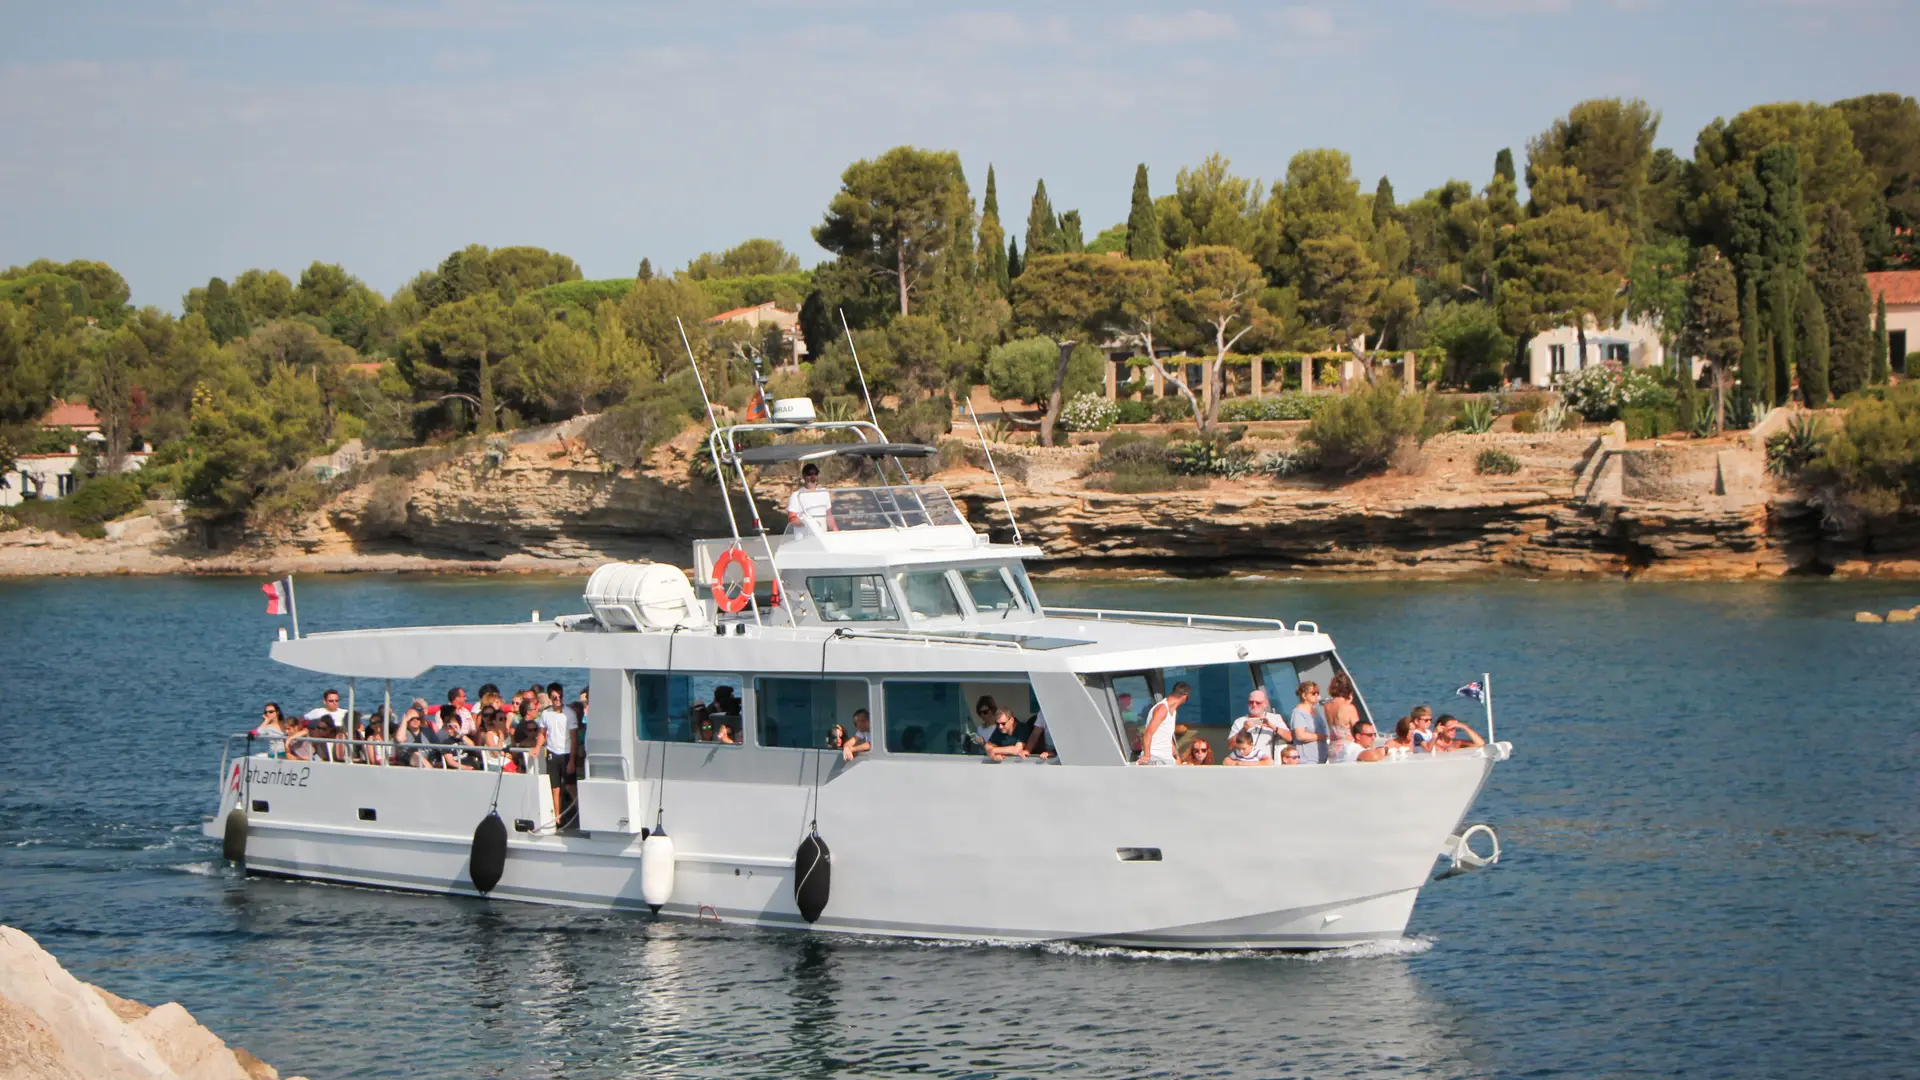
{"x":811,"y":506}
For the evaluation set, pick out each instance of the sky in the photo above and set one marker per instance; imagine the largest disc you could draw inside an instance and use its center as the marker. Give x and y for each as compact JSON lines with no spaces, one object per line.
{"x":182,"y":139}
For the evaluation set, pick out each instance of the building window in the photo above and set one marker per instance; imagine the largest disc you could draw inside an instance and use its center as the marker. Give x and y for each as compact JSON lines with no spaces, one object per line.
{"x":690,"y":707}
{"x":1557,"y":357}
{"x":852,"y":598}
{"x":801,"y":713}
{"x":1617,"y":353}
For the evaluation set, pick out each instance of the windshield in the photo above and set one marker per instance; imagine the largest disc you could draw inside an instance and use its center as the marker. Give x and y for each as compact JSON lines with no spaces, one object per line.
{"x":928,"y":595}
{"x":992,"y":590}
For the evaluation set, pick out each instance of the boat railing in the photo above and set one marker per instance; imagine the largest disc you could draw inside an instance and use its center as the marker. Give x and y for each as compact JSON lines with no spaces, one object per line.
{"x":923,"y":637}
{"x":1172,"y":618}
{"x":274,"y":747}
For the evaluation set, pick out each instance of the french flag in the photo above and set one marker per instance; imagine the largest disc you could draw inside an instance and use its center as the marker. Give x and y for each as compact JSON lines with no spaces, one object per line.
{"x":279,"y":595}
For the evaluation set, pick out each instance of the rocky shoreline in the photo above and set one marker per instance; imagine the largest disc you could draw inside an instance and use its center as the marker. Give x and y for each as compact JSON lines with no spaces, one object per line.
{"x":1583,"y":504}
{"x":55,"y":1027}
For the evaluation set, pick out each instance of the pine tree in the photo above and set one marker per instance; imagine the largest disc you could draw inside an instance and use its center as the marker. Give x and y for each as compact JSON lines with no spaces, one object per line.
{"x":1880,"y":365}
{"x":1043,"y":229}
{"x":993,"y":255}
{"x":1837,"y":269}
{"x":1143,"y":221}
{"x":1383,"y":205}
{"x":1013,"y":258}
{"x":1071,"y":241}
{"x":1811,"y":345}
{"x":1503,"y":166}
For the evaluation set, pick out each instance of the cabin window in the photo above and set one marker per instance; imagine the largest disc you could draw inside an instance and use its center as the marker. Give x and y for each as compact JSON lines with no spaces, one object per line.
{"x":992,"y":590}
{"x":690,"y":707}
{"x":800,"y":713}
{"x":852,"y":598}
{"x":929,"y":595}
{"x":1218,"y":695}
{"x":940,"y":717}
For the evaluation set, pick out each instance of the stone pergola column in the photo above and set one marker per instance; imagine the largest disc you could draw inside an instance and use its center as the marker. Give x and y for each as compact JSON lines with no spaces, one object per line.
{"x":1113,"y":378}
{"x":1207,"y":389}
{"x":1306,"y":374}
{"x":1254,"y":368}
{"x":1406,"y":369}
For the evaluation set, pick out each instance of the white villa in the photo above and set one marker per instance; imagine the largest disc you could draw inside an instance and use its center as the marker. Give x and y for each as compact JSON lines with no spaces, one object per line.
{"x":1633,"y":343}
{"x":51,"y":476}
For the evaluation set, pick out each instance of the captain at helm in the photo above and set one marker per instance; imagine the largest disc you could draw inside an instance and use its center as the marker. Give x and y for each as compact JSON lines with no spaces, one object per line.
{"x":810,"y":508}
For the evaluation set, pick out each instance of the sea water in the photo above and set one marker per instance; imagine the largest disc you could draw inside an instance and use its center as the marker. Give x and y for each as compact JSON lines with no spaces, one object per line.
{"x":1711,"y":864}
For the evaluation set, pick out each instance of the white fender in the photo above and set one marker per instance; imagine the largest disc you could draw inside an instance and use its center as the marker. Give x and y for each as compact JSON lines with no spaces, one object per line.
{"x":656,"y":870}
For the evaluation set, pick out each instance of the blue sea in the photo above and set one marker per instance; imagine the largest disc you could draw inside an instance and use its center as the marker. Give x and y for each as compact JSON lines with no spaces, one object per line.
{"x":1712,"y":864}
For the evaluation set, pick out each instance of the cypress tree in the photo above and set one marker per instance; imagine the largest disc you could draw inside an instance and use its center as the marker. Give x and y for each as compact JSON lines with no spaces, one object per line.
{"x":1880,"y":366}
{"x":1143,"y":221}
{"x":1043,"y":229}
{"x":1013,"y":258}
{"x":1786,"y":291}
{"x":993,"y":256}
{"x":1751,"y":369}
{"x":1071,"y":241}
{"x":1713,"y":328}
{"x":1383,"y":205}
{"x":1503,"y":166}
{"x":1837,"y":269}
{"x":646,"y":270}
{"x":1811,"y":345}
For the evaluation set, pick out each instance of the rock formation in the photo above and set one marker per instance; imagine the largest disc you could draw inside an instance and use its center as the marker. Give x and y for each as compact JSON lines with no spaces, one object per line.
{"x":55,"y":1027}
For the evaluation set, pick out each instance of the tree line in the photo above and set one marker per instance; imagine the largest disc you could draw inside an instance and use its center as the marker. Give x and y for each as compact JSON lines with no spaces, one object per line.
{"x":1749,"y":253}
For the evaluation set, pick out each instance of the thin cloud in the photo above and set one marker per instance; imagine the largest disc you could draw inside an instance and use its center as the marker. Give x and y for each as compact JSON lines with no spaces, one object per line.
{"x":1306,"y":22}
{"x":1179,"y":28}
{"x":1491,"y":8}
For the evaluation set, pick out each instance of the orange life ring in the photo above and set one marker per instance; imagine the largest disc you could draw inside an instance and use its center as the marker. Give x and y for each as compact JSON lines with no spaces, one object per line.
{"x":730,"y":602}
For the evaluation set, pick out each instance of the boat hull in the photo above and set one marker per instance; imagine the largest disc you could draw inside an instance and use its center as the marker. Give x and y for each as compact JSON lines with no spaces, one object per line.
{"x":1219,"y":858}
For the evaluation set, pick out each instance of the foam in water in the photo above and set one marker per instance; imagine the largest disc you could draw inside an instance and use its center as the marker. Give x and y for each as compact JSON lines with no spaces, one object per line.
{"x":200,"y":869}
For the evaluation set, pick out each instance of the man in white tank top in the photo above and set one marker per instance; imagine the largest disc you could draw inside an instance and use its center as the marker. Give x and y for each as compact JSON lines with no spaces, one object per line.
{"x":1157,"y":744}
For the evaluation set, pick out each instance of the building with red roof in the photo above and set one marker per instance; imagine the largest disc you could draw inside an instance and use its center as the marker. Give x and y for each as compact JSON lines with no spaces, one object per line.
{"x":1901,"y":288}
{"x":757,"y":315}
{"x":68,"y":414}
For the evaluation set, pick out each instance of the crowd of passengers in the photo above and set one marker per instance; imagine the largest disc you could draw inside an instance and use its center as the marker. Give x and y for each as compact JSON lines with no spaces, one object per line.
{"x":537,"y":730}
{"x":1316,"y":732}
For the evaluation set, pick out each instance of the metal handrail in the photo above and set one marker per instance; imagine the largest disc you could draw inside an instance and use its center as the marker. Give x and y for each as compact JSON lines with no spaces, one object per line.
{"x":918,"y":637}
{"x":428,"y":747}
{"x":1179,"y":617}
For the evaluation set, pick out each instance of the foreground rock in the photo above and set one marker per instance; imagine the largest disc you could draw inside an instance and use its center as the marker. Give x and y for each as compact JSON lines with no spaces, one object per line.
{"x":55,"y":1027}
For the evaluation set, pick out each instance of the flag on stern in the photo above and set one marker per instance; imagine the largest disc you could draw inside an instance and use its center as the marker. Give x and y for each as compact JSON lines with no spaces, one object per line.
{"x":1473,"y":691}
{"x":757,"y":408}
{"x":279,"y":595}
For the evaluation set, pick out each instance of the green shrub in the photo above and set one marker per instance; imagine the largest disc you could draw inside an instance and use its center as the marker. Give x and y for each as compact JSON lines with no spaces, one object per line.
{"x":1129,"y":448}
{"x":1358,"y":432}
{"x":1023,"y":370}
{"x":1877,"y":453}
{"x":1649,"y":423}
{"x":1292,"y":405}
{"x":104,"y":498}
{"x":1134,"y":412}
{"x":1210,"y":457}
{"x":1089,"y":412}
{"x":1135,"y":478}
{"x":1172,"y":409}
{"x":1290,"y":461}
{"x":1496,"y":462}
{"x":622,"y":435}
{"x":1523,"y":421}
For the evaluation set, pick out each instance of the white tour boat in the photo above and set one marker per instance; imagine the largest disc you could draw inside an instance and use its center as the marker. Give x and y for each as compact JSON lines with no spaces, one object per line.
{"x":895,"y":605}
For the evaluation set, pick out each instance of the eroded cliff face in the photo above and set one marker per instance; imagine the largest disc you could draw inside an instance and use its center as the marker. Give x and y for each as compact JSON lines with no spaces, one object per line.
{"x":1581,"y":505}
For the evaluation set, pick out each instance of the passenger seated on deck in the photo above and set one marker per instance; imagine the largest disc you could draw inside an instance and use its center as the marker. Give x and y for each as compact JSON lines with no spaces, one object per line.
{"x":1450,"y":735}
{"x":1360,"y":747}
{"x":984,"y":712}
{"x":273,"y":728}
{"x":1422,"y":720}
{"x":860,"y":740}
{"x":1246,"y":751}
{"x":1402,"y":735}
{"x":1198,"y":753}
{"x":298,"y":745}
{"x":1289,"y":755}
{"x":329,"y":708}
{"x":1005,"y":742}
{"x":837,"y":737}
